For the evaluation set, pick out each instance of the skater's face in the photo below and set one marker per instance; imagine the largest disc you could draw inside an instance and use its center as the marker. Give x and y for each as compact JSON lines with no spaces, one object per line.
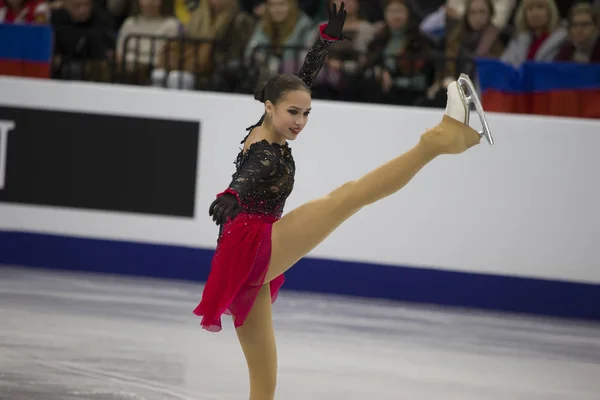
{"x":290,"y":114}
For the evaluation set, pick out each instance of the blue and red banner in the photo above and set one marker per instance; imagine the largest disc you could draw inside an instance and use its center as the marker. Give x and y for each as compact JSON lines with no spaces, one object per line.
{"x":26,"y":50}
{"x":561,"y":89}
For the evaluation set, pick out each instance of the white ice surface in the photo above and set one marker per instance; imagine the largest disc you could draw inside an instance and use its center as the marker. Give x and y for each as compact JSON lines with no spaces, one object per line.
{"x":79,"y":337}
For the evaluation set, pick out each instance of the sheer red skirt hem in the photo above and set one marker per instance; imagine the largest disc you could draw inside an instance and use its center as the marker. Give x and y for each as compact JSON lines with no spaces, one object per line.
{"x":238,"y":270}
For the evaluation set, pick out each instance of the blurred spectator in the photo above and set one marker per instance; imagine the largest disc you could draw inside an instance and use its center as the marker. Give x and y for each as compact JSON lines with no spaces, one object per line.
{"x":503,"y":11}
{"x":83,"y":33}
{"x":399,"y":58}
{"x":283,"y":25}
{"x":24,"y":12}
{"x":223,"y":22}
{"x":123,"y":9}
{"x":154,"y":18}
{"x":539,"y":35}
{"x":584,"y":39}
{"x":474,"y":36}
{"x":219,"y":31}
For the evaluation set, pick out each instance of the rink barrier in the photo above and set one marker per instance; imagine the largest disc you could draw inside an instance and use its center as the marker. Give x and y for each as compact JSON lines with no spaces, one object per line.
{"x":402,"y":283}
{"x":118,"y":179}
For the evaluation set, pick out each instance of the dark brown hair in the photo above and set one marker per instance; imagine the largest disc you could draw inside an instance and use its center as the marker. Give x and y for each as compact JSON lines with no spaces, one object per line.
{"x":276,"y":87}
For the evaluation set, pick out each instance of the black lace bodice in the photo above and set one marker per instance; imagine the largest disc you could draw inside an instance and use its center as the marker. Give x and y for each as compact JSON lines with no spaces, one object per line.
{"x":264,"y":176}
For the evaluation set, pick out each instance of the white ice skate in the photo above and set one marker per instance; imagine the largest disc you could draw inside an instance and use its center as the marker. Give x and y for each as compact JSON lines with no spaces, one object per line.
{"x":468,"y":95}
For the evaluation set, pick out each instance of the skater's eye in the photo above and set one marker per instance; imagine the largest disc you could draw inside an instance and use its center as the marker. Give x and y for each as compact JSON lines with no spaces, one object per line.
{"x":295,"y":111}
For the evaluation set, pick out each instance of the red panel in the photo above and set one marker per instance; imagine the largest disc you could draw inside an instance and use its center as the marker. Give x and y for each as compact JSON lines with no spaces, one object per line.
{"x":564,"y":103}
{"x":25,"y":69}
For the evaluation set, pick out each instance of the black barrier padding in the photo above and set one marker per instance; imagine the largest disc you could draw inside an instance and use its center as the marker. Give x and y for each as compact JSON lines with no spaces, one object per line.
{"x":102,"y":162}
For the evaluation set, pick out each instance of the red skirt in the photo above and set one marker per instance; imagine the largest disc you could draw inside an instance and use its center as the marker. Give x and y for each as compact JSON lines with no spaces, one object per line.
{"x":238,"y":271}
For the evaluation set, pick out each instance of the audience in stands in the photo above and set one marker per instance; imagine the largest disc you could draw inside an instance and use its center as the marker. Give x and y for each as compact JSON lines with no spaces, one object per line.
{"x":399,"y":59}
{"x":153,"y":18}
{"x":226,"y":25}
{"x":82,"y":33}
{"x":583,"y":45}
{"x":218,"y":33}
{"x":283,"y":25}
{"x":401,"y":51}
{"x":24,"y":12}
{"x":476,"y":35}
{"x":539,"y":34}
{"x":503,"y":10}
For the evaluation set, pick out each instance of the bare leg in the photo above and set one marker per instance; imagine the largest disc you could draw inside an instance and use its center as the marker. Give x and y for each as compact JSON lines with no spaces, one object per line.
{"x":301,"y":230}
{"x":257,"y":339}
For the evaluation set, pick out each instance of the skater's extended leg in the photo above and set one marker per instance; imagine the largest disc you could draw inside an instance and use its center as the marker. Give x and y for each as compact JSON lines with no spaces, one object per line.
{"x":301,"y":230}
{"x":257,"y":339}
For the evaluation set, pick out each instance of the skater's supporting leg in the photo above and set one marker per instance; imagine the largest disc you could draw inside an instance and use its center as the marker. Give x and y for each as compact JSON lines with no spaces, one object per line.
{"x":257,"y":339}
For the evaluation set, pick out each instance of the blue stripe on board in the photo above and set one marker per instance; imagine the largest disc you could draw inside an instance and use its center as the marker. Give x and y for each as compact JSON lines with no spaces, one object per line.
{"x":493,"y":292}
{"x":26,"y":42}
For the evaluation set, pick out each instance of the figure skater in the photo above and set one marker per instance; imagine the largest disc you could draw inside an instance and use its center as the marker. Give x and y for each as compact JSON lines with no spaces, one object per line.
{"x":257,"y":245}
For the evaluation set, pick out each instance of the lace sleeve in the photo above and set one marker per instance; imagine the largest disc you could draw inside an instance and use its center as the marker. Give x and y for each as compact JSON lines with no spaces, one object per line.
{"x":254,"y":168}
{"x":315,"y":58}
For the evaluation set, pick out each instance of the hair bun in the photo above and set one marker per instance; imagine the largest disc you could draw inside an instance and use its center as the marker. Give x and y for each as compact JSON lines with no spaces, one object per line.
{"x":259,"y":94}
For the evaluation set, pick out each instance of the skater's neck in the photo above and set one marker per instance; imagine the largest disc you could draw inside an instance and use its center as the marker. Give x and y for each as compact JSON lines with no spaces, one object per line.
{"x":267,"y":131}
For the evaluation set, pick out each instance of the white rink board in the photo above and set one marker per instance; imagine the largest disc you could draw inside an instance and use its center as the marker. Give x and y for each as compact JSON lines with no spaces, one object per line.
{"x":527,"y":206}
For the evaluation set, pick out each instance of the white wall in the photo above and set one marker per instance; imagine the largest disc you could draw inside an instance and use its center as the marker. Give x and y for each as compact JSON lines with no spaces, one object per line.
{"x":527,"y":206}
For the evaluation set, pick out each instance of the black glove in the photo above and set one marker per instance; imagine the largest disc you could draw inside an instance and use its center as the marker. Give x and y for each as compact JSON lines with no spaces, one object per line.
{"x":226,"y":206}
{"x":336,"y":22}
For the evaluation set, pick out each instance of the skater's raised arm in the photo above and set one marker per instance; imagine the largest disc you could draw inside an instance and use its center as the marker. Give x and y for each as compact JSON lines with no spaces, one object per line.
{"x":328,"y":33}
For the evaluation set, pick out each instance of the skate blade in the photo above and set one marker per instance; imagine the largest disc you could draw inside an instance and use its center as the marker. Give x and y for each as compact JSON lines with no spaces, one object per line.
{"x":469,"y":96}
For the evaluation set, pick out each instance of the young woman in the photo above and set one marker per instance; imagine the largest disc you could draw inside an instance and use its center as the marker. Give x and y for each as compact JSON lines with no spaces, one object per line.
{"x":257,"y":245}
{"x":539,"y":33}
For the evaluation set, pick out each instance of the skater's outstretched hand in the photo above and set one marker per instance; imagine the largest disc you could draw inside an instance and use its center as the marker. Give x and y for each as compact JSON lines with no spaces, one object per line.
{"x":226,"y":206}
{"x":336,"y":22}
